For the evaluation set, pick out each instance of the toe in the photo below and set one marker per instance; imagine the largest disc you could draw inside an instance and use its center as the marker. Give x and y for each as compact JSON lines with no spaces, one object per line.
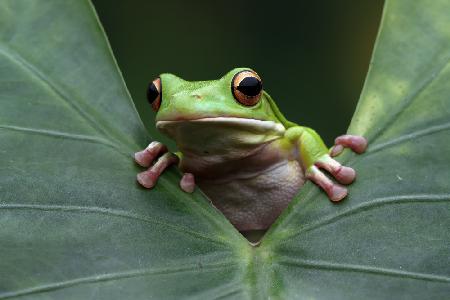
{"x":345,"y":175}
{"x":187,"y":183}
{"x":357,"y":143}
{"x":146,"y":179}
{"x":142,"y":159}
{"x":336,"y":150}
{"x":336,"y":193}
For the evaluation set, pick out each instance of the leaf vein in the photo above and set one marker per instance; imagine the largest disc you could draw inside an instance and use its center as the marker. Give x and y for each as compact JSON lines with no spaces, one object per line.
{"x":111,"y":212}
{"x":375,"y":203}
{"x":16,"y":58}
{"x":113,"y":276}
{"x":408,"y":100}
{"x":409,"y":136}
{"x":66,"y":135}
{"x":362,"y":269}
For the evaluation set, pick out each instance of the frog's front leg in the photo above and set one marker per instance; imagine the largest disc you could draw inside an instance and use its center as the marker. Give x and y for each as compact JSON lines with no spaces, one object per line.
{"x":149,"y":178}
{"x":314,"y":156}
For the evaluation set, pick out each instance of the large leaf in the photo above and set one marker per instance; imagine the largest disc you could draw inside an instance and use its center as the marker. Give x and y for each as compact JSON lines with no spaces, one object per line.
{"x":74,"y":224}
{"x":391,"y":237}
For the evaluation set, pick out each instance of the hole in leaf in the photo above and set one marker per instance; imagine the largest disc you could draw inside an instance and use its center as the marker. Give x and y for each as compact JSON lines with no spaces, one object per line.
{"x":254,"y":236}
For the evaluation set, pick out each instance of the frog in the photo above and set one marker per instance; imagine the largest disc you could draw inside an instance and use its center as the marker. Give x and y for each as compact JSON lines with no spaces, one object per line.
{"x":239,"y":149}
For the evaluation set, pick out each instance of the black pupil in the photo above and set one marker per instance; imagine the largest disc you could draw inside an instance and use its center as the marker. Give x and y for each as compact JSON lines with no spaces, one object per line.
{"x":152,"y":93}
{"x":250,"y":86}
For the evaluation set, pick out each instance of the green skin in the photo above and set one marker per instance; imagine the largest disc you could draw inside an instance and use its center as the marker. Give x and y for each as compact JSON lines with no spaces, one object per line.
{"x":253,"y":152}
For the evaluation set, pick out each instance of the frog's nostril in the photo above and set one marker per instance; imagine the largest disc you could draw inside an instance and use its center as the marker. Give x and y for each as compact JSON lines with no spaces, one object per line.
{"x":197,"y":96}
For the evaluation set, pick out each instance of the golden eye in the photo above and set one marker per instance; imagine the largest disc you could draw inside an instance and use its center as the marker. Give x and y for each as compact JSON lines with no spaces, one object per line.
{"x":154,"y":94}
{"x":246,"y":87}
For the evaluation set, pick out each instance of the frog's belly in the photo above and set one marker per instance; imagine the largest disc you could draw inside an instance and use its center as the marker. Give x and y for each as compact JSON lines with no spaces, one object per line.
{"x":254,"y":203}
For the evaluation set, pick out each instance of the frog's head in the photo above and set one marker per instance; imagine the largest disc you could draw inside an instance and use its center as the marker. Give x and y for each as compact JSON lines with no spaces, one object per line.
{"x":238,"y":94}
{"x":236,"y":100}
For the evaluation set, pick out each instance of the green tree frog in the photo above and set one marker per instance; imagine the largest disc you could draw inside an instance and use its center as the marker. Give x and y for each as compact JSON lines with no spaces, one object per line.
{"x":235,"y":144}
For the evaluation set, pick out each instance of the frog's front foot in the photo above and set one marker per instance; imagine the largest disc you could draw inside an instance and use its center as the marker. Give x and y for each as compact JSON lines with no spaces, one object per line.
{"x":146,"y":157}
{"x":343,"y":174}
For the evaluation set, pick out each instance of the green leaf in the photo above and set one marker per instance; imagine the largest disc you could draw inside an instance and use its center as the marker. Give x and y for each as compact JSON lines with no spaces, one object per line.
{"x":74,"y":224}
{"x":73,"y":221}
{"x":390,"y":239}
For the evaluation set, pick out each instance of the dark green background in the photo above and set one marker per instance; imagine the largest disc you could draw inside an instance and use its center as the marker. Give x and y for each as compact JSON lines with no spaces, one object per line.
{"x":313,"y":57}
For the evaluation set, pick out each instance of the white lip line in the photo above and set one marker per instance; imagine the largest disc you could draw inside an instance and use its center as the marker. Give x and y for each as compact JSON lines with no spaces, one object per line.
{"x":268,"y":124}
{"x":213,"y":119}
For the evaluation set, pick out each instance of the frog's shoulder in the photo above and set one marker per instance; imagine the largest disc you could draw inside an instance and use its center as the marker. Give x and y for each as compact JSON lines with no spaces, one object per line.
{"x":286,"y":123}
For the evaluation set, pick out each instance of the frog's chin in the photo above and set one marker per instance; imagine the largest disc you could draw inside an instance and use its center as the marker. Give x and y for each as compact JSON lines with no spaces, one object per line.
{"x":241,"y":123}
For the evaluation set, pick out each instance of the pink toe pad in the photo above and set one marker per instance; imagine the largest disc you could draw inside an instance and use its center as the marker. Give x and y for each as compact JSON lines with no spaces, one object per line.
{"x":146,"y":179}
{"x":187,"y":183}
{"x":354,"y":142}
{"x":142,"y":158}
{"x":337,"y":193}
{"x":345,"y":175}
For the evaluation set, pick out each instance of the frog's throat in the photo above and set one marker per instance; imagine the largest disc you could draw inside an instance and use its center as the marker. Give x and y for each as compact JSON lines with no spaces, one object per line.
{"x":264,"y":126}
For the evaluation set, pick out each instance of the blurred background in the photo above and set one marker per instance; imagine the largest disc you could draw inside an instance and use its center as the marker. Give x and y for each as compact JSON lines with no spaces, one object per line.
{"x":313,"y":56}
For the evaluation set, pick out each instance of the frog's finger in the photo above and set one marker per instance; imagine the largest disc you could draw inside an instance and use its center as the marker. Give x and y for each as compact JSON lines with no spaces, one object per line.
{"x":334,"y":191}
{"x":187,"y":183}
{"x":336,"y":150}
{"x":343,"y":174}
{"x":149,"y":178}
{"x":146,"y":156}
{"x":357,"y":143}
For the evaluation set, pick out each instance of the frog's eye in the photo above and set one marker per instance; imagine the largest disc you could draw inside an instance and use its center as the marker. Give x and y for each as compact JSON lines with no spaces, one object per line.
{"x":154,"y":94}
{"x":246,"y":87}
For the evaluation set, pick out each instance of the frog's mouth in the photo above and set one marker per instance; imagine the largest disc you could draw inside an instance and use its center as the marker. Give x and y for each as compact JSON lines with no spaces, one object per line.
{"x":254,"y":125}
{"x":220,"y":135}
